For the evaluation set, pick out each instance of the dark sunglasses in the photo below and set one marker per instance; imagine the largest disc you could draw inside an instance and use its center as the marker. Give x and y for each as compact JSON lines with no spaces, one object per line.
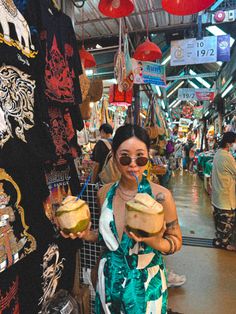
{"x":126,"y":160}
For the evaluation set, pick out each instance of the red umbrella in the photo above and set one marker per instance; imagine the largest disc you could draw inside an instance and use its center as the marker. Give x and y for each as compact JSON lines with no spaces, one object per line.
{"x":87,"y":59}
{"x":116,"y":8}
{"x":147,"y":51}
{"x":185,"y":7}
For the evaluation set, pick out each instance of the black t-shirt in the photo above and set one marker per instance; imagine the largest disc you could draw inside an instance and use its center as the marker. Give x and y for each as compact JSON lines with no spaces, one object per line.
{"x":100,"y":153}
{"x":62,"y":65}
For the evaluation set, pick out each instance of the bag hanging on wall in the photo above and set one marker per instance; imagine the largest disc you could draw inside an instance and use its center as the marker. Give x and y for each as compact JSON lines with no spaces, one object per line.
{"x":151,"y":126}
{"x":95,"y":90}
{"x":83,"y":136}
{"x":84,"y":85}
{"x":85,"y":109}
{"x":128,"y":80}
{"x":117,"y":98}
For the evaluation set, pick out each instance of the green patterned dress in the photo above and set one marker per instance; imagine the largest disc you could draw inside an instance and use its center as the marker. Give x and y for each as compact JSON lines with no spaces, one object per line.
{"x":131,"y":276}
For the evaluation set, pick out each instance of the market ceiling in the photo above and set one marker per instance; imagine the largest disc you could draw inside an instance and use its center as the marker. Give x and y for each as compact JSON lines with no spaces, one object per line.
{"x":100,"y":35}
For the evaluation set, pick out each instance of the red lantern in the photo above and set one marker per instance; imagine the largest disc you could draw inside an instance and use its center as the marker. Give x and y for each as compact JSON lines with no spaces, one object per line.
{"x":117,"y":98}
{"x":147,"y":51}
{"x":185,"y":7}
{"x":116,"y":8}
{"x":87,"y":59}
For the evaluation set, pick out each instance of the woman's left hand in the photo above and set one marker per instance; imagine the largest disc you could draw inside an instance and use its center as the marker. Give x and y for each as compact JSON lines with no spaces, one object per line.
{"x":148,"y":240}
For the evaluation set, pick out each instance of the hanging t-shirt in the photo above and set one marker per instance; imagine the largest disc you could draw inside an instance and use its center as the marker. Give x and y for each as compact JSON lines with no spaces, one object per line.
{"x":62,"y":61}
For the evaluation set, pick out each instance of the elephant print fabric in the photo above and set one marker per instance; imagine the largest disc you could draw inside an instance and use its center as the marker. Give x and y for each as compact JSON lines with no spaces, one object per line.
{"x":16,"y":103}
{"x":15,"y":241}
{"x":10,"y":15}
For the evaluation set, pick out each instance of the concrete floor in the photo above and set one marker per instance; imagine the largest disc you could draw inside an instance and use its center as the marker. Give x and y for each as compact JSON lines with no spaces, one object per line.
{"x":210,"y":272}
{"x":211,"y":281}
{"x":193,"y":205}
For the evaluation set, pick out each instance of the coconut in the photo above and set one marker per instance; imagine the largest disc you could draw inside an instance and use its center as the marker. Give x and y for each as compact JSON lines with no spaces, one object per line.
{"x":144,"y":215}
{"x":73,"y":215}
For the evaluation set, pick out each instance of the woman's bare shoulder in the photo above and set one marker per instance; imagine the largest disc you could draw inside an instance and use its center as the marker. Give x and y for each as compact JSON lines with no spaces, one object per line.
{"x":102,"y":192}
{"x":160,"y":191}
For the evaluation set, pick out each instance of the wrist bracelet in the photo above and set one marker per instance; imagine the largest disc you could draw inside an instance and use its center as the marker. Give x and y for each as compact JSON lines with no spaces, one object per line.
{"x":172,"y":246}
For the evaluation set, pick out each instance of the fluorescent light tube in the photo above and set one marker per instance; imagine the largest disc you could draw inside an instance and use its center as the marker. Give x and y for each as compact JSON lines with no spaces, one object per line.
{"x":166,"y":60}
{"x":180,"y":84}
{"x":158,"y":91}
{"x":228,"y":89}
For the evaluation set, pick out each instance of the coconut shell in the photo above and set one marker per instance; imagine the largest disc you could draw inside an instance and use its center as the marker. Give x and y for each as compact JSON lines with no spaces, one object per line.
{"x":144,"y":216}
{"x":73,"y":215}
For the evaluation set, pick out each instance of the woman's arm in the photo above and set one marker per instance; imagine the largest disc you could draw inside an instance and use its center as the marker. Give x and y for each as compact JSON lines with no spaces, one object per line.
{"x":169,"y":239}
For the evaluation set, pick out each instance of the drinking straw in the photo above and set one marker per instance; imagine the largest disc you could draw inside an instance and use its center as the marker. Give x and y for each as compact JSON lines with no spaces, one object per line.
{"x":133,"y":174}
{"x":84,"y":187}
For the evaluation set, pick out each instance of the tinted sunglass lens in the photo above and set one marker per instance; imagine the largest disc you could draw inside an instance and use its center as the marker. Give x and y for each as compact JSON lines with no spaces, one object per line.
{"x":125,"y":160}
{"x":141,"y":161}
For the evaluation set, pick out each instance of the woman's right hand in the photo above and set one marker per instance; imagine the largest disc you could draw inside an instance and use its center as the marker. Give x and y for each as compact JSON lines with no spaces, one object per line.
{"x":84,"y":235}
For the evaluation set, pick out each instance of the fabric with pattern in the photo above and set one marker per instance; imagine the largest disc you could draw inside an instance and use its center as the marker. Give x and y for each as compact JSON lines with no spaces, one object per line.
{"x":131,"y":275}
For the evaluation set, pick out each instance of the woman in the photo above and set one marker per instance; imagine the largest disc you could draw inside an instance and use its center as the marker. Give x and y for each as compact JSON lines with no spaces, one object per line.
{"x":131,"y":275}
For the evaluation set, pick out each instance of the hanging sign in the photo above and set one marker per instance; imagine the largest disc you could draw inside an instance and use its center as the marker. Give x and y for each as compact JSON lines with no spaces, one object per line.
{"x":199,"y":94}
{"x":206,"y":50}
{"x":148,"y":72}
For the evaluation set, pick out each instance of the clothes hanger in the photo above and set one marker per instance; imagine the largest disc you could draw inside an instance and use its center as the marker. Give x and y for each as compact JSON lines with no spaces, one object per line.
{"x":80,"y":3}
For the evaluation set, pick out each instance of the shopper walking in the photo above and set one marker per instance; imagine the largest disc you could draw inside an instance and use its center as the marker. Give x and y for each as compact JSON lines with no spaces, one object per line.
{"x":132,"y":275}
{"x":187,"y":147}
{"x":223,"y":192}
{"x":101,"y":149}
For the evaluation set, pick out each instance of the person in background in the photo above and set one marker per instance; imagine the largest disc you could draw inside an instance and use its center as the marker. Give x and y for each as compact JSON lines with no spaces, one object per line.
{"x":178,"y":154}
{"x":131,"y":274}
{"x":223,"y":192}
{"x":101,"y":149}
{"x":187,"y":147}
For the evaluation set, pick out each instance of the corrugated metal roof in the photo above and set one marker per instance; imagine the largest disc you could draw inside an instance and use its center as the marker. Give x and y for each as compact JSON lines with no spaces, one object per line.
{"x":97,"y":25}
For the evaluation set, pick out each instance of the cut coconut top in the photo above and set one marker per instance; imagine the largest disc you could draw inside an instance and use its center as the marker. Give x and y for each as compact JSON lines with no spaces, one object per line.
{"x":70,"y":203}
{"x":143,"y":202}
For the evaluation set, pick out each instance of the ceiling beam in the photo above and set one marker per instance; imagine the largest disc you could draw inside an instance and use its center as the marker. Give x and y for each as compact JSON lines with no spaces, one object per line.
{"x":189,"y":77}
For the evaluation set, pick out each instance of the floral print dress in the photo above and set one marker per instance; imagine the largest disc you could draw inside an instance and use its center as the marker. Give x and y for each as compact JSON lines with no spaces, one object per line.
{"x":131,"y":275}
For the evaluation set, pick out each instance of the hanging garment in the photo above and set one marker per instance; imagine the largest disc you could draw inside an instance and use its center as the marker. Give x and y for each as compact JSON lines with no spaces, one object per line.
{"x":62,"y":62}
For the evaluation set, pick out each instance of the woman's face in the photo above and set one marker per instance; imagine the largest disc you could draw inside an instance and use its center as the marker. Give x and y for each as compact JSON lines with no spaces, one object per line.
{"x":133,"y":148}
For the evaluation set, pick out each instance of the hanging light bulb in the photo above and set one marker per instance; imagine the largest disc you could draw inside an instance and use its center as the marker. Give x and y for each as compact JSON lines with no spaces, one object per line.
{"x":87,"y":59}
{"x":185,"y":7}
{"x":116,"y":8}
{"x":147,"y":51}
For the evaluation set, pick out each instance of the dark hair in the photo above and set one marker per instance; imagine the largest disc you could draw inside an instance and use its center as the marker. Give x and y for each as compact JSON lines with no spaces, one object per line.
{"x":107,"y":128}
{"x":127,"y":131}
{"x":228,"y":138}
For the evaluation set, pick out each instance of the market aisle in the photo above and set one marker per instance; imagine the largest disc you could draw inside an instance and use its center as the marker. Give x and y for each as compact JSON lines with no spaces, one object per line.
{"x":210,"y":286}
{"x":193,"y":205}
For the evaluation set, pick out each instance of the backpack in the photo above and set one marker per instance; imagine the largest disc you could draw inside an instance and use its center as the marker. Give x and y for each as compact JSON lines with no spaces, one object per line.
{"x":109,"y":172}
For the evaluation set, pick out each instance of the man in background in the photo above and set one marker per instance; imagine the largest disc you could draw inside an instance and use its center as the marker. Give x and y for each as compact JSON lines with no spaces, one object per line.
{"x":101,"y":149}
{"x":223,"y":192}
